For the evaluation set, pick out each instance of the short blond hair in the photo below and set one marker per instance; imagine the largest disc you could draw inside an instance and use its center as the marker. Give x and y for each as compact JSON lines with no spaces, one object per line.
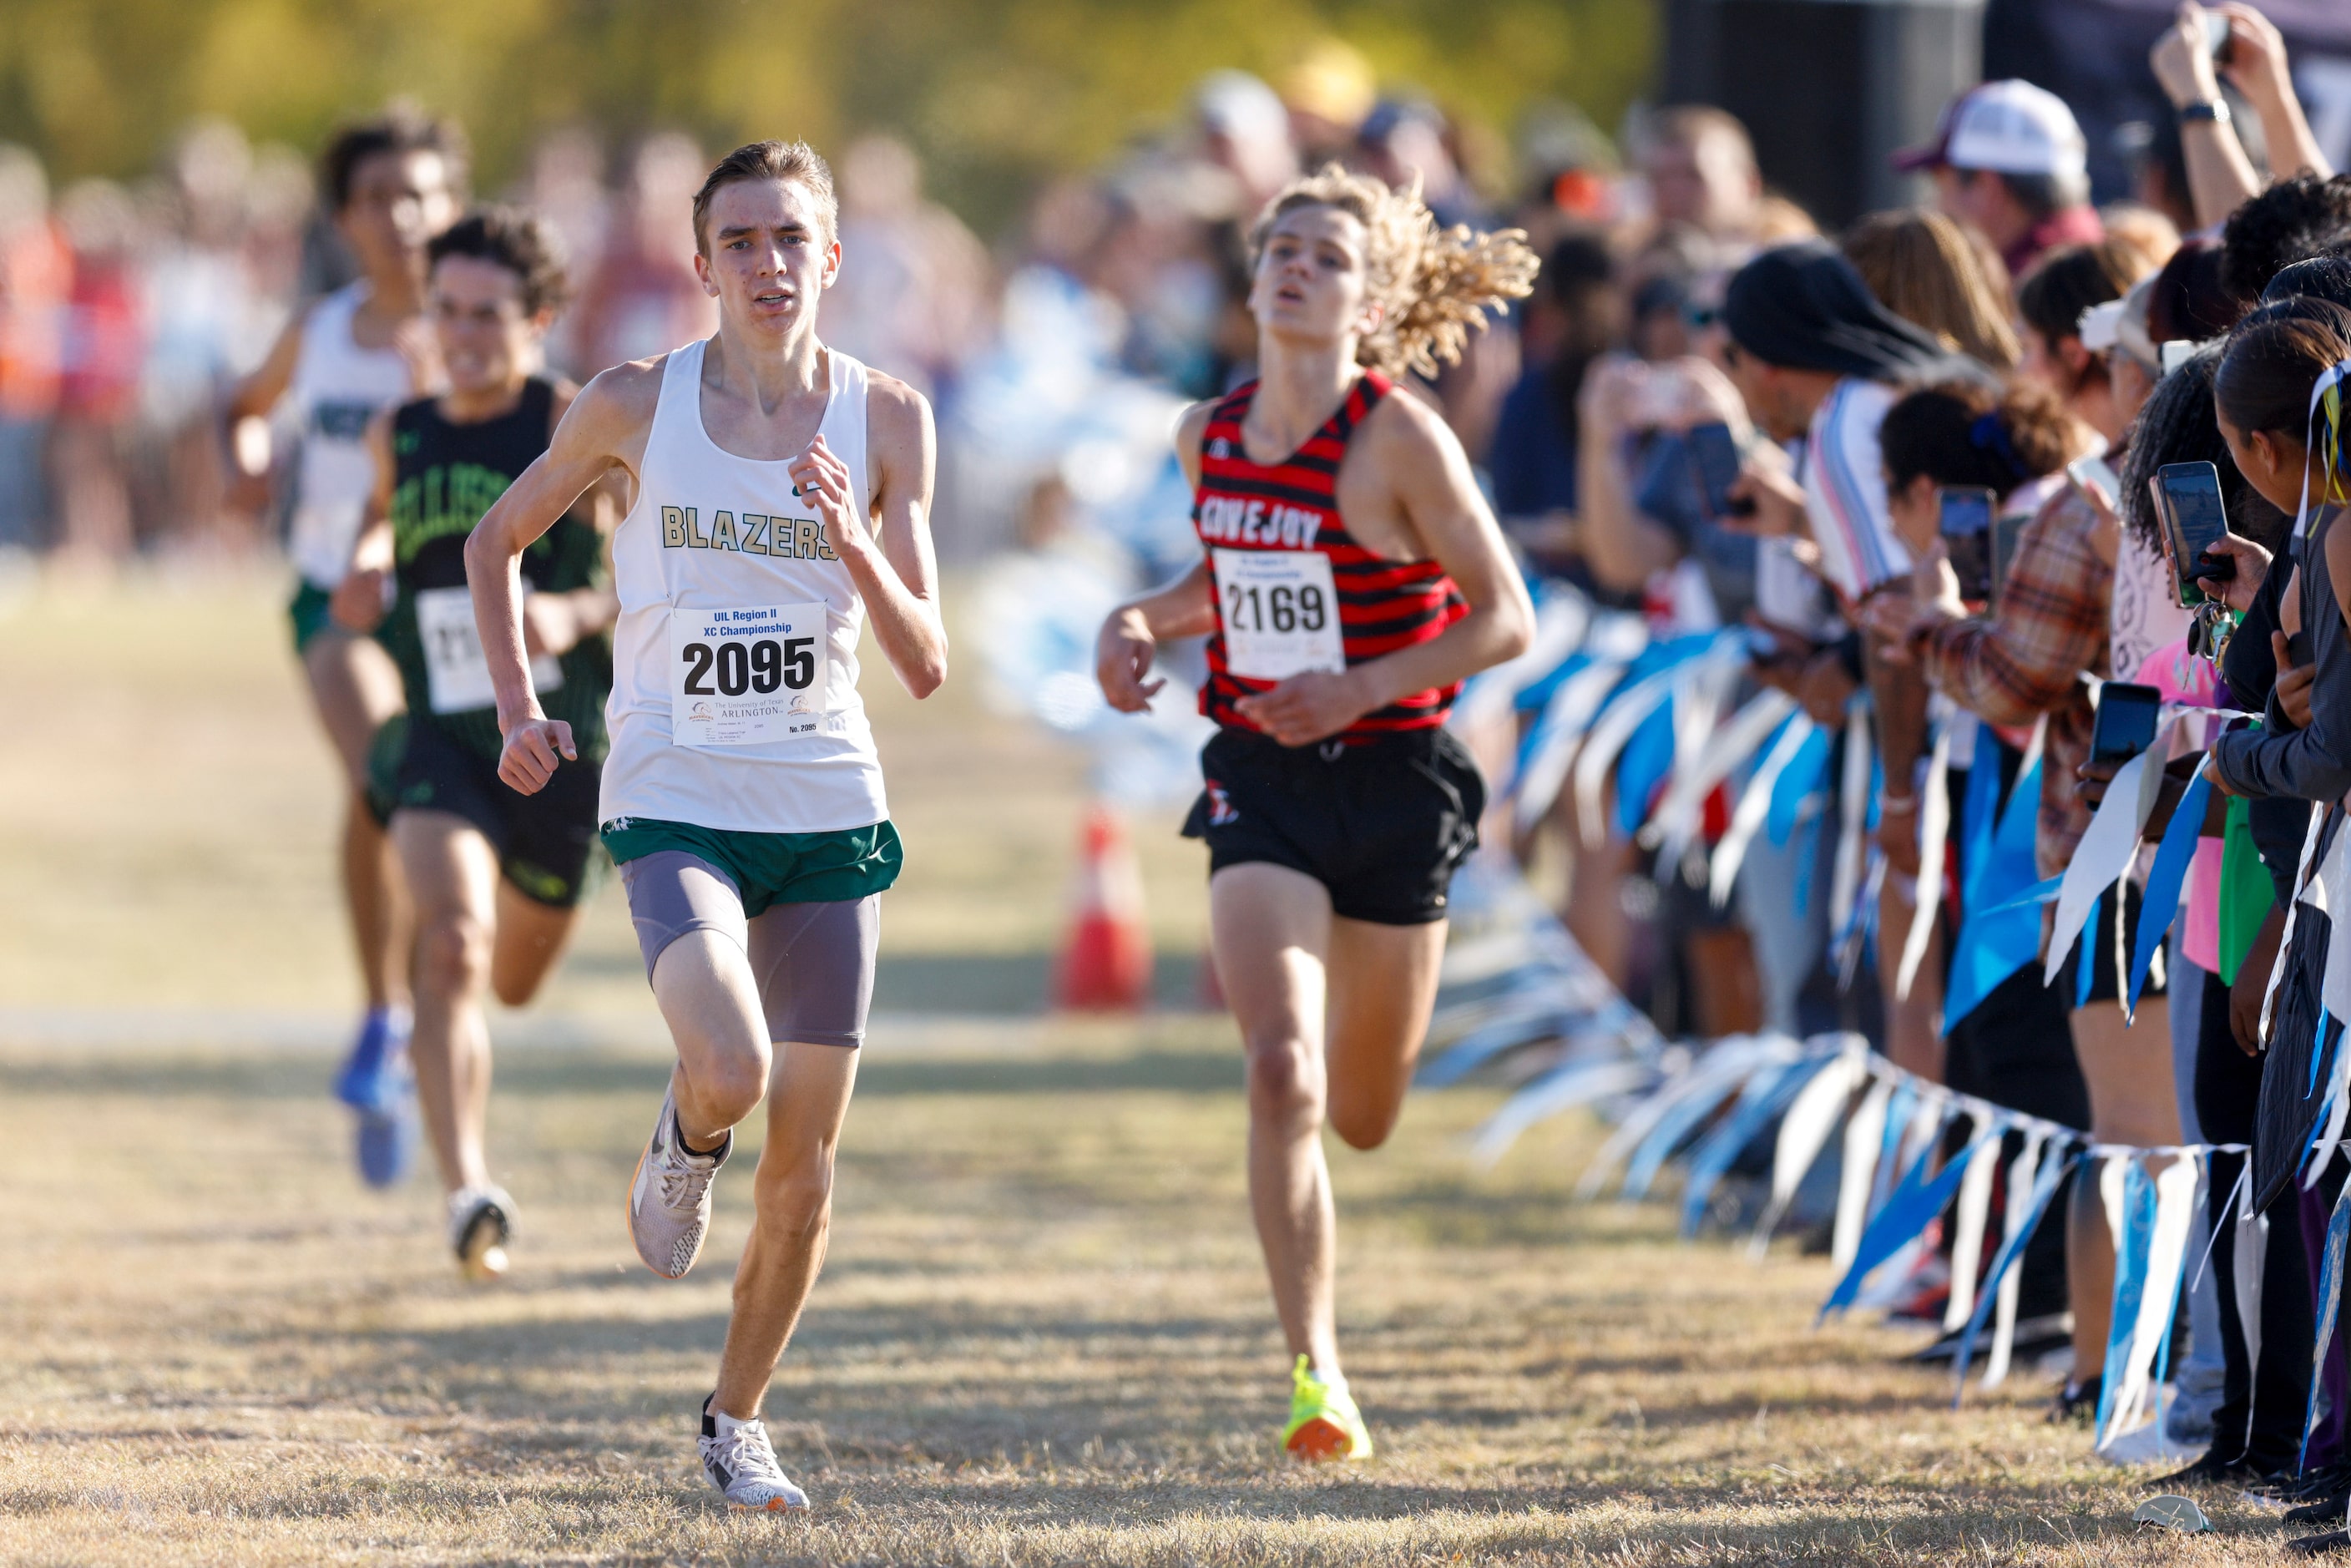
{"x":1435,"y":284}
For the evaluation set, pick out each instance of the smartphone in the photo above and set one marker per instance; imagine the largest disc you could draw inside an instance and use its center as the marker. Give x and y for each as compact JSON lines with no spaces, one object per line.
{"x":2125,"y":722}
{"x":2216,"y":38}
{"x":2174,"y":352}
{"x":2005,"y":528}
{"x":2087,"y":472}
{"x":1965,"y":523}
{"x":2188,"y":502}
{"x":1714,"y":455}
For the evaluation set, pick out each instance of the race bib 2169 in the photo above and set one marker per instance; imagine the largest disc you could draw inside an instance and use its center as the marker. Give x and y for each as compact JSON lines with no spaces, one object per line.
{"x":1281,"y":612}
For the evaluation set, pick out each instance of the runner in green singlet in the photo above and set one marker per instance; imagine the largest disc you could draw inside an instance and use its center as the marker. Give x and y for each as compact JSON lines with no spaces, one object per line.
{"x":498,"y":876}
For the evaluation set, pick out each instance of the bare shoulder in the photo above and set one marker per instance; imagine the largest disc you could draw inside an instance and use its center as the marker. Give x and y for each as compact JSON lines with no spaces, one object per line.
{"x":894,"y":411}
{"x":1191,"y":426}
{"x":1402,"y":427}
{"x":615,"y":409}
{"x":566,"y":392}
{"x":1410,"y":451}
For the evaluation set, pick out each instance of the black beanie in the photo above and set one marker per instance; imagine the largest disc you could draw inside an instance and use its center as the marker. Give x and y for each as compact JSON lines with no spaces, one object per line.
{"x":1802,"y":306}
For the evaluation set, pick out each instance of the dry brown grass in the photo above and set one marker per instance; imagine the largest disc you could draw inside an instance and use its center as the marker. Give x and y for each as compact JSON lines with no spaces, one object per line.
{"x":1042,"y":1337}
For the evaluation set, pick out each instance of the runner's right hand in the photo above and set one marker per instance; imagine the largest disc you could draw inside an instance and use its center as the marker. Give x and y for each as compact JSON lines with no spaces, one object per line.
{"x":533,"y":749}
{"x":357,"y":603}
{"x":1123,"y":656}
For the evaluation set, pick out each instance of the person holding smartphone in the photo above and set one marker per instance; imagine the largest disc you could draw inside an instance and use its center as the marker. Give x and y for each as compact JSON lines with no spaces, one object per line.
{"x":2191,"y":59}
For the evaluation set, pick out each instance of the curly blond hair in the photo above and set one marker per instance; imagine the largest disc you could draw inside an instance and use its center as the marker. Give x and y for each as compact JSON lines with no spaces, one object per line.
{"x":1435,"y":285}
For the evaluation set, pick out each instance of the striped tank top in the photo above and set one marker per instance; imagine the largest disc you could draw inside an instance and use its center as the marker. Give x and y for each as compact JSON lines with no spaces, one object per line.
{"x":1294,"y":590}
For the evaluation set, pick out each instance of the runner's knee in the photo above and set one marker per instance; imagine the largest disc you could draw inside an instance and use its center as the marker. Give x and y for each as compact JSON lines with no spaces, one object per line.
{"x":794,"y":1198}
{"x":453,"y":953}
{"x":1285,"y":1080}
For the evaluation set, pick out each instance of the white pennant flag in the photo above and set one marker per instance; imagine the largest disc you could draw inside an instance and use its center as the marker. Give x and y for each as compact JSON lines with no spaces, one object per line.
{"x":1852,"y":802}
{"x":1864,"y":1136}
{"x":2108,"y":846}
{"x":1974,"y":1210}
{"x":2174,"y":1205}
{"x":2023,"y":1173}
{"x":2245,"y":1267}
{"x":2302,"y":885}
{"x":1927,"y":899}
{"x":1804,"y":1131}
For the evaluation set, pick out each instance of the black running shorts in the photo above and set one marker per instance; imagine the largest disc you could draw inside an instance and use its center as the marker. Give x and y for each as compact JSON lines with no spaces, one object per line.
{"x":1382,"y":825}
{"x":547,"y":843}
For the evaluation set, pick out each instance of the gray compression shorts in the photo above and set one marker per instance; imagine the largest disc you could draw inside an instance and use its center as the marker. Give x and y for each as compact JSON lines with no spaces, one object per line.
{"x":813,"y":962}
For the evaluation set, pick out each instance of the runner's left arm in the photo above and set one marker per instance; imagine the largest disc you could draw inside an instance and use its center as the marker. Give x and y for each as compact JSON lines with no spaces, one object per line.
{"x":1429,"y":475}
{"x":555,"y":623}
{"x":358,"y":602}
{"x":895,"y":573}
{"x":607,"y":419}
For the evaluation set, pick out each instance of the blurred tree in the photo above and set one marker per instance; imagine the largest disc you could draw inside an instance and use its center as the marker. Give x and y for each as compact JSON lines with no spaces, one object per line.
{"x":995,"y":95}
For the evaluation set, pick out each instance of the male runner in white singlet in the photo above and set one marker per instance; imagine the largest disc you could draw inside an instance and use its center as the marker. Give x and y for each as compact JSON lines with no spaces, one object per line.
{"x":392,"y":185}
{"x":781,"y":495}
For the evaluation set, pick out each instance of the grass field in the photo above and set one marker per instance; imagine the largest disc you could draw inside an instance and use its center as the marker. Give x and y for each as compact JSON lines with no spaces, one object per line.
{"x":1042,"y":1337}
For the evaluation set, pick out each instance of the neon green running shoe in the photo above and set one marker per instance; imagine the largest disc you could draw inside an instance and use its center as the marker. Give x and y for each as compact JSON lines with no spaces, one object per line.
{"x":1323,"y":1421}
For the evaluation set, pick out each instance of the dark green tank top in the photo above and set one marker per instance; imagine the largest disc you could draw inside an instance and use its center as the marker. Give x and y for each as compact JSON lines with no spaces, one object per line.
{"x":444,"y":477}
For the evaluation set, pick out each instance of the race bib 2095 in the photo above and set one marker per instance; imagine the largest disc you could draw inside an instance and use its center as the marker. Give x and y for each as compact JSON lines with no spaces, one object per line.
{"x":745,"y":676}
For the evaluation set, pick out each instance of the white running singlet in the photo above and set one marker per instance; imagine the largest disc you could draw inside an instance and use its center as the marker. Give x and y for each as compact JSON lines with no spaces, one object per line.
{"x":337,"y":387}
{"x":734,"y":701}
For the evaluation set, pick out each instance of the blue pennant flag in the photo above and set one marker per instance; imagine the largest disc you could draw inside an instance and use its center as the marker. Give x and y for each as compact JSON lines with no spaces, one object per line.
{"x":2330,"y":1297}
{"x":2131,"y":1254}
{"x":1999,"y":934}
{"x":1672,"y":1128}
{"x":1797,"y":783}
{"x":2172,"y":858}
{"x":2053,"y":1167}
{"x":1766,"y":1095}
{"x":1913,"y":1204}
{"x":2085,"y":960}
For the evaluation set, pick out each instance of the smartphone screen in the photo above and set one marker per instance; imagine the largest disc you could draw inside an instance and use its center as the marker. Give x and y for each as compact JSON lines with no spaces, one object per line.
{"x":2125,"y":722}
{"x":2188,"y":499}
{"x":1716,"y":456}
{"x":2004,"y":531}
{"x":1966,"y":526}
{"x":2087,"y":472}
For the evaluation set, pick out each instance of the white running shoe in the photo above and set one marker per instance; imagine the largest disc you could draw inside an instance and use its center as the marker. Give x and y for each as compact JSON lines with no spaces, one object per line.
{"x":481,"y":1222}
{"x":669,"y":1200}
{"x":742,"y":1465}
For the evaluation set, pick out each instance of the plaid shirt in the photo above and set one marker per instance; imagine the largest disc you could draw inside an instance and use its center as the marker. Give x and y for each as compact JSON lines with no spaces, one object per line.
{"x":2027,"y":658}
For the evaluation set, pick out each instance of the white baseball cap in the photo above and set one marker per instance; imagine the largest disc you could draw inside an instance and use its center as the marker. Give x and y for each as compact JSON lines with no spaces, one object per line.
{"x":2007,"y":127}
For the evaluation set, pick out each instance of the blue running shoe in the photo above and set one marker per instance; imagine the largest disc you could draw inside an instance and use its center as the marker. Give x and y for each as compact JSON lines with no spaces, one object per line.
{"x":367,"y":1080}
{"x":388,"y":1135}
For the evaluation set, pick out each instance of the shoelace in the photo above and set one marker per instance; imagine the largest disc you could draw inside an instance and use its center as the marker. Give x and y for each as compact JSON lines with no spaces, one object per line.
{"x":746,"y":1451}
{"x":685,"y":1176}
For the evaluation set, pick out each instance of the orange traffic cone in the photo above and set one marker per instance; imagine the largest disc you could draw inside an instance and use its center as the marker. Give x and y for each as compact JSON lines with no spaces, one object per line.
{"x":1105,"y":963}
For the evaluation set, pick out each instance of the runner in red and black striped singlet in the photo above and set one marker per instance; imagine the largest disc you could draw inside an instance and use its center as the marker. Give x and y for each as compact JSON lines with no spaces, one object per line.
{"x":1384,"y":604}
